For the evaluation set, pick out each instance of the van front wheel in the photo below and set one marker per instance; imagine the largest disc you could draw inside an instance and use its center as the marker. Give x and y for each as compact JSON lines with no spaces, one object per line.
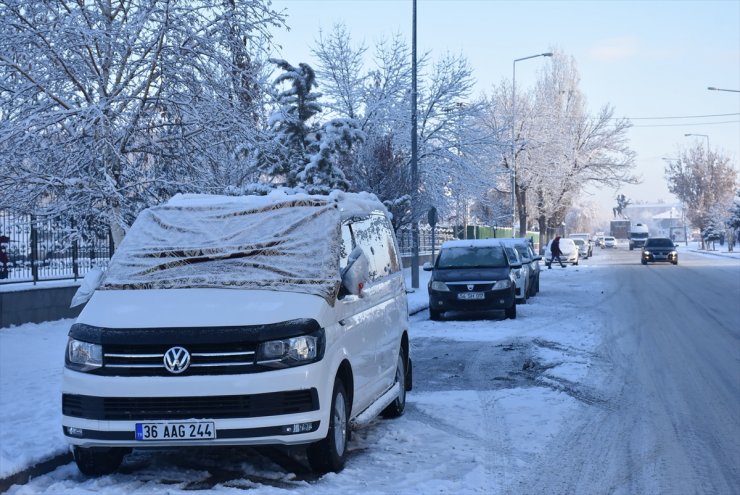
{"x":330,"y":453}
{"x":97,"y":461}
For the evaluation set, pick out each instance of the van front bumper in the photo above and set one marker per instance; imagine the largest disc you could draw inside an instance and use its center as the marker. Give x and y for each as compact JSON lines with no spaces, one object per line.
{"x":289,"y":406}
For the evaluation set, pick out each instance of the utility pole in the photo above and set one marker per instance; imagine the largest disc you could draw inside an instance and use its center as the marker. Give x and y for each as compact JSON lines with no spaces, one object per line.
{"x":414,"y":164}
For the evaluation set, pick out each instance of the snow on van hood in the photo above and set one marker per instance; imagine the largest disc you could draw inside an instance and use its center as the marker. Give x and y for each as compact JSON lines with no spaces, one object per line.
{"x":276,"y":242}
{"x":157,"y":308}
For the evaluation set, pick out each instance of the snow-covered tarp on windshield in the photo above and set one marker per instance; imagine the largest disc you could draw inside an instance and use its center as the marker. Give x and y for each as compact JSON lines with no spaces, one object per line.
{"x":275,"y":242}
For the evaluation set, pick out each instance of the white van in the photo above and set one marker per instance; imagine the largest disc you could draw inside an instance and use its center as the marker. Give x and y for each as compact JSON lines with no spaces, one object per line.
{"x":279,"y":319}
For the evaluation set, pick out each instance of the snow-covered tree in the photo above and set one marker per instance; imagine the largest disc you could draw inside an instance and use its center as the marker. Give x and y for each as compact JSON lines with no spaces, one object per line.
{"x":558,"y":147}
{"x":309,"y":154}
{"x":379,"y":99}
{"x":733,"y":222}
{"x":291,"y":121}
{"x":107,"y":107}
{"x":710,"y":233}
{"x":570,"y":148}
{"x":704,"y":181}
{"x":334,"y":142}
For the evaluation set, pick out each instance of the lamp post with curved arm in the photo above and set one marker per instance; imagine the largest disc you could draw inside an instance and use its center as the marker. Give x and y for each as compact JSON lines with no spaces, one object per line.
{"x":700,"y":135}
{"x":712,"y":88}
{"x":513,"y":137}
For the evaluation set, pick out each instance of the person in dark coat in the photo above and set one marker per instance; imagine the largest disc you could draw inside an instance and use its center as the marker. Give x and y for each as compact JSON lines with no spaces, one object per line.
{"x":555,"y":252}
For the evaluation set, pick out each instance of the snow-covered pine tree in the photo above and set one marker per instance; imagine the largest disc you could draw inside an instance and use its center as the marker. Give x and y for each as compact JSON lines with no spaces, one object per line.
{"x":291,"y":122}
{"x":335,"y":140}
{"x":711,"y":233}
{"x":733,"y":223}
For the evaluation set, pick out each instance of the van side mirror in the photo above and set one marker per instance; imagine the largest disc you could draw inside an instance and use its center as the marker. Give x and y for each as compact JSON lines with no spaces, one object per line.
{"x":357,"y":272}
{"x":87,"y":287}
{"x":427,"y":266}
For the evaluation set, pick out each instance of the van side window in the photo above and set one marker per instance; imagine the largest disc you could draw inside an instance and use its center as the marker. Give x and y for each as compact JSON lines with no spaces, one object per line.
{"x":376,"y":238}
{"x":346,"y":247}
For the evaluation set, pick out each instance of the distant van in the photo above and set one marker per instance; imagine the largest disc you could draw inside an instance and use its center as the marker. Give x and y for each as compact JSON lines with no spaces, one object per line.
{"x":279,"y":319}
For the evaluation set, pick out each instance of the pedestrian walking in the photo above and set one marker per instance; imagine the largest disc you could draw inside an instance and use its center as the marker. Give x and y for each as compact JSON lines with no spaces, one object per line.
{"x":555,"y":252}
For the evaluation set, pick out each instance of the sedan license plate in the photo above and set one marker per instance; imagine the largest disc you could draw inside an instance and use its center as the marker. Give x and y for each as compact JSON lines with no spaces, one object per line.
{"x":190,"y":430}
{"x":468,"y":296}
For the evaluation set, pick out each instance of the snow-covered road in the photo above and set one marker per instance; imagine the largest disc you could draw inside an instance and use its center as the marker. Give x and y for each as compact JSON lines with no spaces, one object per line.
{"x":671,"y":337}
{"x":616,"y":378}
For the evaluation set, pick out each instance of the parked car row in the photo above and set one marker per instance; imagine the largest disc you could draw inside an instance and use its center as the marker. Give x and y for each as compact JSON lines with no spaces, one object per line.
{"x":481,"y":275}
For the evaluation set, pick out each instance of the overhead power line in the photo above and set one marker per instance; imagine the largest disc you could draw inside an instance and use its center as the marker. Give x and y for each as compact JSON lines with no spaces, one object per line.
{"x":683,"y":117}
{"x":690,"y":123}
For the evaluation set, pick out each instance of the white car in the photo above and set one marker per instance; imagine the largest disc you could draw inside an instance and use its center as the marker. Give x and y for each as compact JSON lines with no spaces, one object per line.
{"x":583,"y":248}
{"x":569,"y":251}
{"x":210,"y":328}
{"x":526,"y":252}
{"x":521,"y":275}
{"x":609,"y":242}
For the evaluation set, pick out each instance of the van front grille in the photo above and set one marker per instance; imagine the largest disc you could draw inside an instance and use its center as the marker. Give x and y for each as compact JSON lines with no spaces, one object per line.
{"x":176,"y":408}
{"x":205,"y":359}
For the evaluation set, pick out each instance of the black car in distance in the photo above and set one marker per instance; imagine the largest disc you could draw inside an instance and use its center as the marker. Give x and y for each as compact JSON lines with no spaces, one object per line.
{"x":659,"y":249}
{"x":471,"y":275}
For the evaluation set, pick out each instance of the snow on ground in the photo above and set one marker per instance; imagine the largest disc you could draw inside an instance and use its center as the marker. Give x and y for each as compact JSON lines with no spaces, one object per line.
{"x":31,"y":362}
{"x":439,"y":446}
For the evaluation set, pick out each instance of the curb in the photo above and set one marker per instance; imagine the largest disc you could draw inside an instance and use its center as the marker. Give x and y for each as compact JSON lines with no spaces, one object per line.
{"x":43,"y":467}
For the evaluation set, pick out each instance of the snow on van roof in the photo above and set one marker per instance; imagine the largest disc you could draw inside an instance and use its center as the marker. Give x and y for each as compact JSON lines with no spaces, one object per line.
{"x":258,"y":242}
{"x":350,"y":204}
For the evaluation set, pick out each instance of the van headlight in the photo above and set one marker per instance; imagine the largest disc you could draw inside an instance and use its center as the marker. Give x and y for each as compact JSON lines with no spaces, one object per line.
{"x":293,"y":351}
{"x":502,"y":284}
{"x":83,"y":356}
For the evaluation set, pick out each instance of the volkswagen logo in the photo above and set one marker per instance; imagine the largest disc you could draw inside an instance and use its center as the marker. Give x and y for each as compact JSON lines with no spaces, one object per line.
{"x":176,"y":360}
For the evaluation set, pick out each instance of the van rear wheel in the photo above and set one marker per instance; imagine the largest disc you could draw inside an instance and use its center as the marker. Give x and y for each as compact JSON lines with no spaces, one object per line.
{"x":396,"y":408}
{"x":330,"y":454}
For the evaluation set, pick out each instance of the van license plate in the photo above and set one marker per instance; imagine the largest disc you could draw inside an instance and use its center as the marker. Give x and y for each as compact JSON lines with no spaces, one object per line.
{"x":191,"y":430}
{"x":471,"y":296}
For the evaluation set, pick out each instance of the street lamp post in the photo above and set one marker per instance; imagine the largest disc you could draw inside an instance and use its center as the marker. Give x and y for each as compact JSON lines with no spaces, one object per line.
{"x":414,"y":159}
{"x":700,"y":135}
{"x":513,"y":136}
{"x":712,"y":88}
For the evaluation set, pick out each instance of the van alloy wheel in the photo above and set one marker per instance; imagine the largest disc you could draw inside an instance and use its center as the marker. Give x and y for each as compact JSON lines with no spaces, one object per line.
{"x":396,"y":408}
{"x":330,"y":453}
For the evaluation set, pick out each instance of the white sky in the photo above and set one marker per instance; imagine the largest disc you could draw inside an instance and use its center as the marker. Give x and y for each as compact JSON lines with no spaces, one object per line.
{"x":645,"y":58}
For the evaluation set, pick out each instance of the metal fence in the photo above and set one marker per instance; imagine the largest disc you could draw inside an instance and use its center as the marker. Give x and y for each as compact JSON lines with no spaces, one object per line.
{"x":405,"y":239}
{"x":41,"y":248}
{"x":446,"y":233}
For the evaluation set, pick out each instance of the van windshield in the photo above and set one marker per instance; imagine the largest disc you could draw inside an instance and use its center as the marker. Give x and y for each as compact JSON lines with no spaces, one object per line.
{"x":472,"y":257}
{"x":232,"y":245}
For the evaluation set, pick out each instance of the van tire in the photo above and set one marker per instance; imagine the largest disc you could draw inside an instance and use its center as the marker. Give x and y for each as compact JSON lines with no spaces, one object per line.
{"x":330,"y":454}
{"x":395,"y":409}
{"x":98,"y":461}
